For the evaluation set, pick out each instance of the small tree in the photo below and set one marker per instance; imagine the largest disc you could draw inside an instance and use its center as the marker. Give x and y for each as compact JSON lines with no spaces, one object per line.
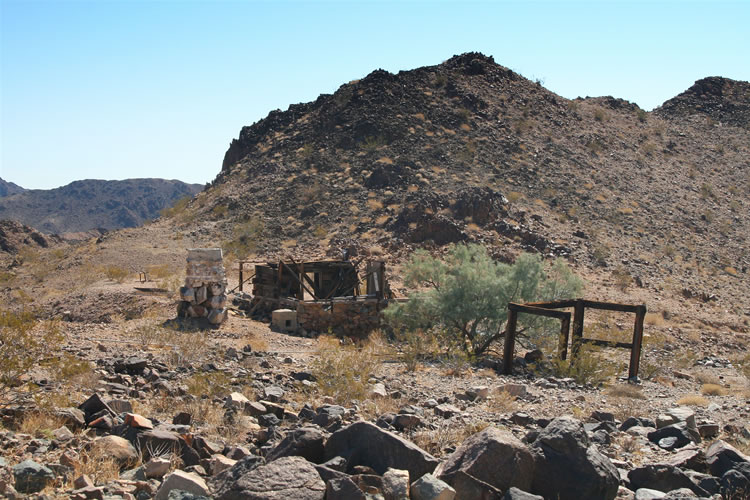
{"x":466,"y":296}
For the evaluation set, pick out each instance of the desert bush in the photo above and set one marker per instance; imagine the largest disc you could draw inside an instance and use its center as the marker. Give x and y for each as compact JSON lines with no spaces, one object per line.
{"x":712,"y":390}
{"x":587,"y":367}
{"x":246,"y":237}
{"x":642,"y":115}
{"x":692,"y":400}
{"x":115,"y":273}
{"x":177,"y":208}
{"x":343,"y":370}
{"x":465,"y":298}
{"x":24,"y":343}
{"x":211,"y":384}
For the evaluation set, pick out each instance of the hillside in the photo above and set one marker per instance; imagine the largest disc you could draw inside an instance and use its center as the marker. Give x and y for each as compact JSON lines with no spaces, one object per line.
{"x":8,"y":188}
{"x":470,"y":151}
{"x":94,"y":204}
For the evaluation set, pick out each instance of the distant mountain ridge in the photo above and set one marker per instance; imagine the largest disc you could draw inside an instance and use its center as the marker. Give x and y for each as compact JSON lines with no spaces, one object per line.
{"x":8,"y":188}
{"x":93,"y":204}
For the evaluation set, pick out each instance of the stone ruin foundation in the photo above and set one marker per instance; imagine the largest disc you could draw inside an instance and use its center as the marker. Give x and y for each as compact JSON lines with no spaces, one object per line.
{"x":205,"y":292}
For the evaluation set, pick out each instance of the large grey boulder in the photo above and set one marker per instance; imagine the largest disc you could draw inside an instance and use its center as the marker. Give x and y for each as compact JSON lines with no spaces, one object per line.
{"x":363,"y":443}
{"x":306,"y":442}
{"x":516,"y":494}
{"x":283,"y":479}
{"x":116,"y":447}
{"x":343,"y":488}
{"x":568,"y":467}
{"x":663,"y":477}
{"x":492,"y":456}
{"x":31,"y":477}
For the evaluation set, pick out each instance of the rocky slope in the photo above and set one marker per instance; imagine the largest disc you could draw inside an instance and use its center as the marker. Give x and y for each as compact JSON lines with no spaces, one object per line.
{"x":94,"y":204}
{"x":471,"y":151}
{"x":7,"y":188}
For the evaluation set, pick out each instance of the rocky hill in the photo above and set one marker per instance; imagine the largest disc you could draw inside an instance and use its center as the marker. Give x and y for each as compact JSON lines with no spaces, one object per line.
{"x":94,"y":204}
{"x":7,"y":188}
{"x":470,"y":151}
{"x":14,"y":236}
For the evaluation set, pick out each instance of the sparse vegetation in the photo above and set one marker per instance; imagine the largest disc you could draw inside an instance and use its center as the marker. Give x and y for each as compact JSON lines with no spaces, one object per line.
{"x":466,"y":295}
{"x":25,"y":343}
{"x":116,"y":273}
{"x":343,"y":370}
{"x":246,"y":238}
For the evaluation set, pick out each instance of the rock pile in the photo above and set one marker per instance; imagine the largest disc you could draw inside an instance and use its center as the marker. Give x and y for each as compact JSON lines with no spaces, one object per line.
{"x":205,"y":292}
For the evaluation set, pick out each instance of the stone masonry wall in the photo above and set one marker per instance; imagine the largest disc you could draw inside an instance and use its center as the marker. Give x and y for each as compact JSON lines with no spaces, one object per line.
{"x":205,"y":292}
{"x":351,"y":318}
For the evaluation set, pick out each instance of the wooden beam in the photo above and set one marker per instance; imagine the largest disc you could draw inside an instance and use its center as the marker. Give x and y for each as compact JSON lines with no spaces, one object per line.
{"x":562,"y":345}
{"x":557,"y":304}
{"x":635,"y":351}
{"x":510,"y":341}
{"x":610,"y":306}
{"x":607,"y":343}
{"x":577,"y":327}
{"x":539,"y":311}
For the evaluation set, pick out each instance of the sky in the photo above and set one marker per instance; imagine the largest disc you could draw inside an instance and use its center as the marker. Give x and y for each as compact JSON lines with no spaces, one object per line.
{"x":111,"y":89}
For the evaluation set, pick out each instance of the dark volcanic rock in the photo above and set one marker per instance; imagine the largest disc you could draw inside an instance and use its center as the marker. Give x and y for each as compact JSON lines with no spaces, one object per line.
{"x":285,"y":478}
{"x":363,"y":443}
{"x":568,"y":467}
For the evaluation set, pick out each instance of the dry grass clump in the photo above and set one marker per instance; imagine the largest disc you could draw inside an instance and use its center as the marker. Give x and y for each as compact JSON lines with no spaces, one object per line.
{"x":654,"y":319}
{"x":625,"y":391}
{"x":500,"y":402}
{"x":692,"y":400}
{"x":446,"y":436}
{"x":712,"y":390}
{"x":115,"y":273}
{"x":97,"y":464}
{"x":40,"y":424}
{"x":343,"y":370}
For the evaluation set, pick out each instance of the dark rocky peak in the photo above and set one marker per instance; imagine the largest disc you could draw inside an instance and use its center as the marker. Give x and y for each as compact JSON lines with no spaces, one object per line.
{"x":14,"y":236}
{"x":9,"y":188}
{"x":721,"y":100}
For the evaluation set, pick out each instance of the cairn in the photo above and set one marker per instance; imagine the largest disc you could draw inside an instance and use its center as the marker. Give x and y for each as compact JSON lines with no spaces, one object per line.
{"x":205,"y":292}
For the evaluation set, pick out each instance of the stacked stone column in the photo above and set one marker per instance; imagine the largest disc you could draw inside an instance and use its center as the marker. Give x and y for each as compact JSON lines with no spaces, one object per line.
{"x":205,"y":292}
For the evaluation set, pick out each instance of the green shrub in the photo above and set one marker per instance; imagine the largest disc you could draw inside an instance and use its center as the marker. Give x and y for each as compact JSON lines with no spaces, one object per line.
{"x":466,"y":296}
{"x":177,"y":208}
{"x":116,"y":273}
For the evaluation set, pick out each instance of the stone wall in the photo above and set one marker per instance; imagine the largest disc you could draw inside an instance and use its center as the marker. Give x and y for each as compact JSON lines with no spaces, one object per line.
{"x":345,"y":317}
{"x":205,"y":292}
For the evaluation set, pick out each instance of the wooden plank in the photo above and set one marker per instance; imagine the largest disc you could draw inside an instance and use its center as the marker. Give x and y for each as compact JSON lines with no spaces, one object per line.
{"x":610,"y":306}
{"x":510,"y":341}
{"x":562,"y":346}
{"x":635,"y":352}
{"x":557,"y":304}
{"x":293,"y":275}
{"x":578,"y":317}
{"x":607,"y":343}
{"x":550,"y":313}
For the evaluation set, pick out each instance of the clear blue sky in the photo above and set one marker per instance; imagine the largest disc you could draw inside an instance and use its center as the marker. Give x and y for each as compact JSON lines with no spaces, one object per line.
{"x":120,"y":89}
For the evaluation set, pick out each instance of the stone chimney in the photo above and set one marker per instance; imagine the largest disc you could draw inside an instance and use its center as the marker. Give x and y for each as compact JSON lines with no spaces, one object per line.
{"x":205,"y":292}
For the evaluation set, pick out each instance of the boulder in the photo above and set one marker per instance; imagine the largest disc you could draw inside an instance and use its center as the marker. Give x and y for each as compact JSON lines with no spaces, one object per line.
{"x":116,"y":447}
{"x":396,"y":484}
{"x":157,"y":467}
{"x":722,"y":457}
{"x":285,"y":478}
{"x":735,"y":483}
{"x":516,"y":494}
{"x":568,"y":467}
{"x":662,"y":477}
{"x":306,"y":442}
{"x":428,"y":487}
{"x":493,"y":456}
{"x":343,"y":488}
{"x":680,"y":431}
{"x":158,"y":442}
{"x":467,"y":486}
{"x":363,"y":443}
{"x":31,"y":477}
{"x":181,"y":480}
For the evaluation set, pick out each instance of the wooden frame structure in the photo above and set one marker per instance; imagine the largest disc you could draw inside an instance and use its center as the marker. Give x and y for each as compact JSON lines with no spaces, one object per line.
{"x":551,"y":309}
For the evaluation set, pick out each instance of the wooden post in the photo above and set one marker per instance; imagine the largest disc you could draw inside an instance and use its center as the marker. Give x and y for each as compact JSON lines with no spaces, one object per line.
{"x":242,"y":265}
{"x":562,"y":346}
{"x":301,"y":290}
{"x":510,"y":340}
{"x":635,"y":351}
{"x":577,"y":327}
